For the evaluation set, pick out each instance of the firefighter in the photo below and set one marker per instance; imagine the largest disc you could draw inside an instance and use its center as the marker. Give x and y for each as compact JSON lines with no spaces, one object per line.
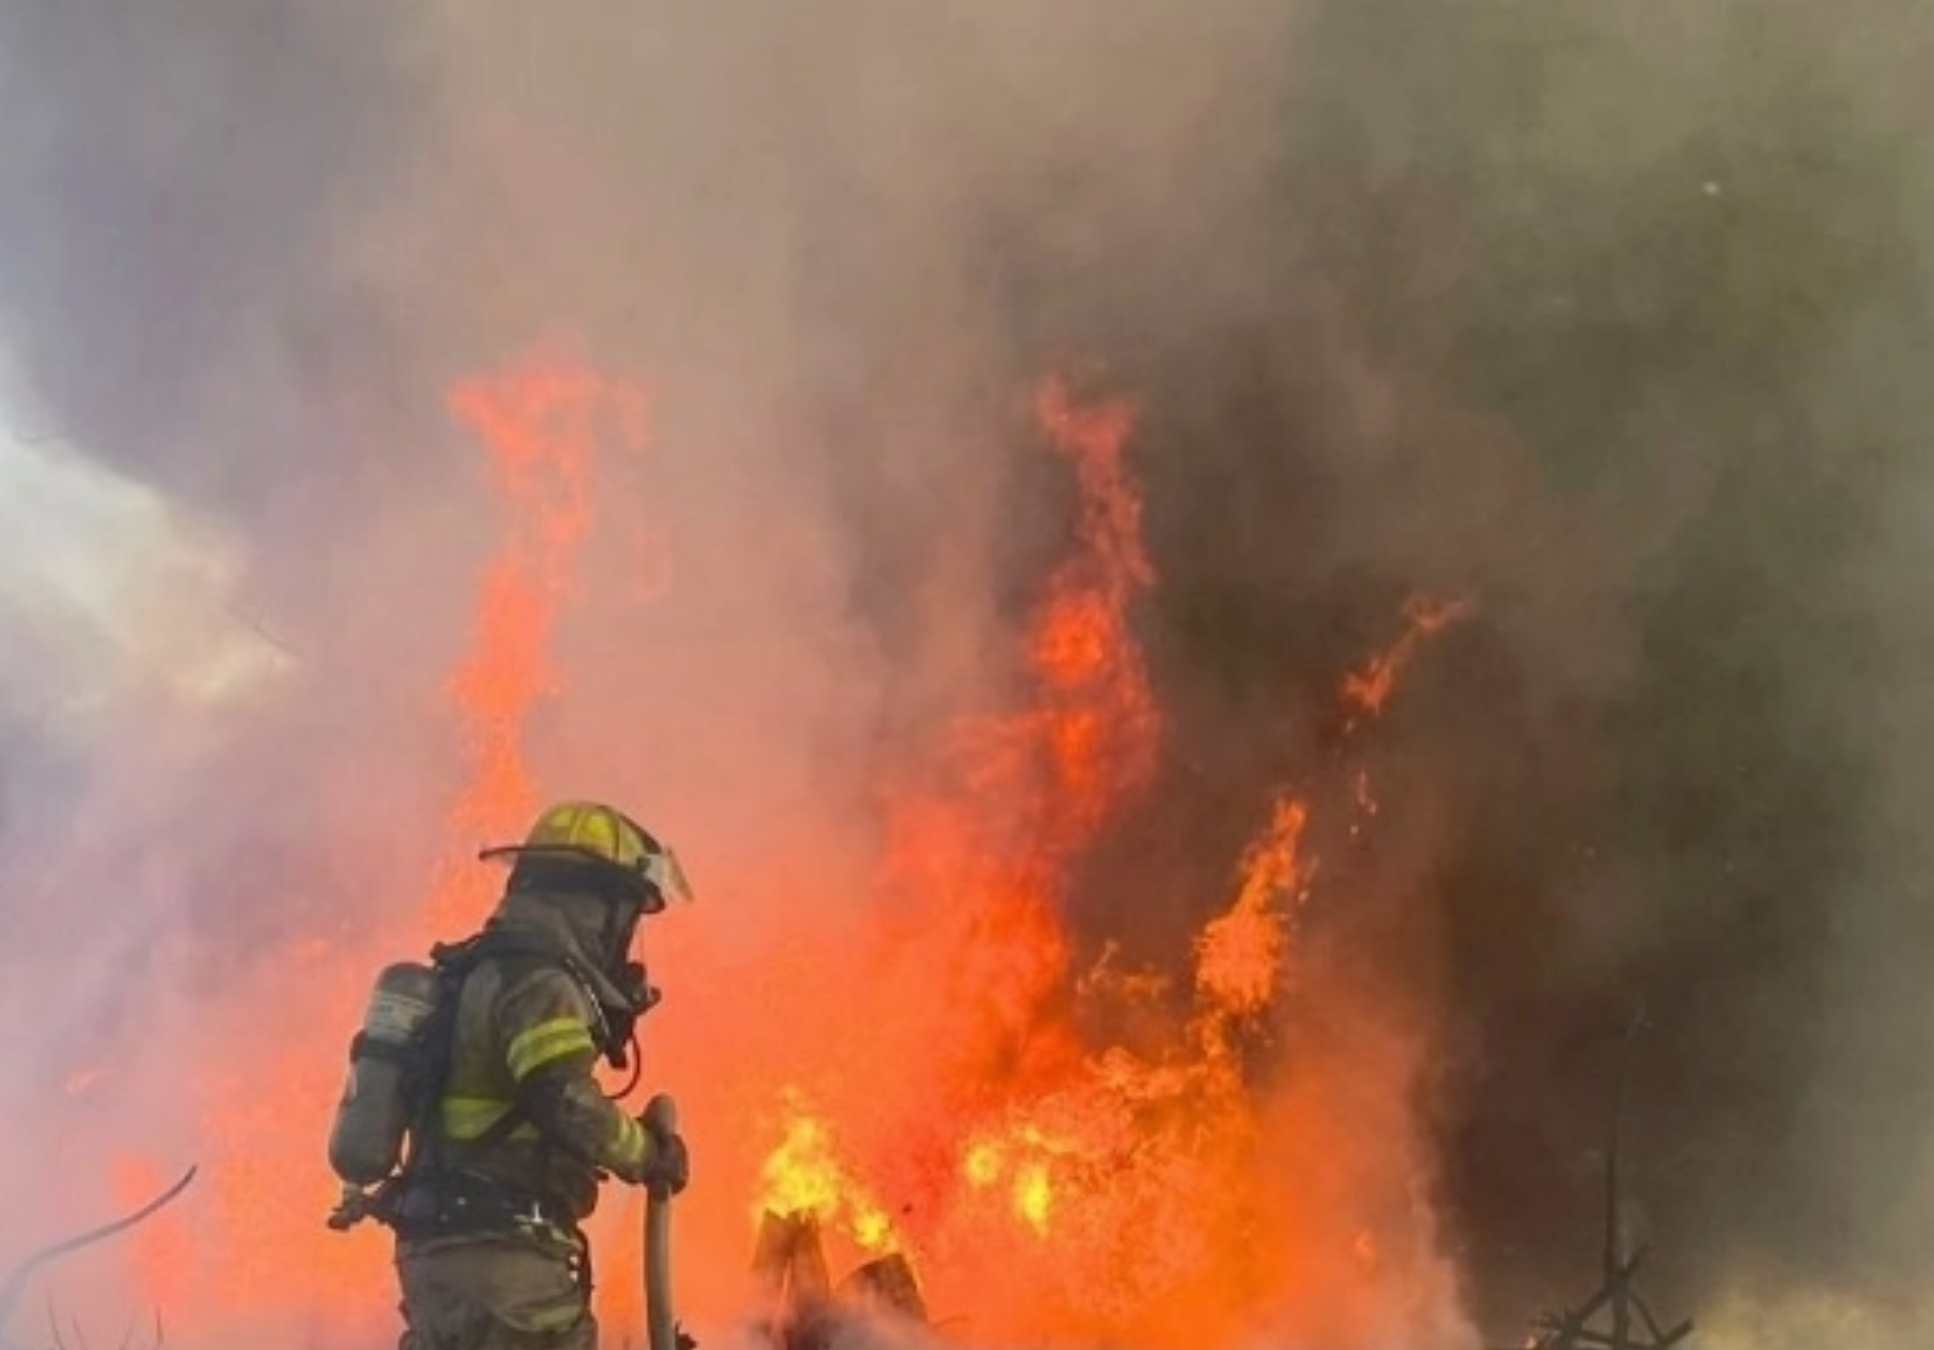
{"x":490,"y":1253}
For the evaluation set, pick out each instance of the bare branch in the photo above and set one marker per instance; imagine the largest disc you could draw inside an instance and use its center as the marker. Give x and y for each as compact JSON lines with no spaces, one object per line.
{"x":16,"y":1281}
{"x":53,"y":1324}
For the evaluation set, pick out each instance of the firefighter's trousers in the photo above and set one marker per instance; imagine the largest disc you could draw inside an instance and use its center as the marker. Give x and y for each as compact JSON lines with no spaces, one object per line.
{"x":515,"y":1292}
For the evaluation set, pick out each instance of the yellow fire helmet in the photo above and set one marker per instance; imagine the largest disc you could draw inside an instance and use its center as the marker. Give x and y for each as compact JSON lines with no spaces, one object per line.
{"x":602,"y":834}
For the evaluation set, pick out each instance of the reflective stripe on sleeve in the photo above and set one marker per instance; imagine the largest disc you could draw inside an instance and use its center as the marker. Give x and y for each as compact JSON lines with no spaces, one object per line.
{"x":537,"y":1046}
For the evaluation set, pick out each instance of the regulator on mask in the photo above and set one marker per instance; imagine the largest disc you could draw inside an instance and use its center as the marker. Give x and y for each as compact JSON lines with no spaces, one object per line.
{"x":640,"y":997}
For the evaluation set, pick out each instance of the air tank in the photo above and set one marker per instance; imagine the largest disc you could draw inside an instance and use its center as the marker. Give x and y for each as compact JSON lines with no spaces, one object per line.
{"x":376,"y":1110}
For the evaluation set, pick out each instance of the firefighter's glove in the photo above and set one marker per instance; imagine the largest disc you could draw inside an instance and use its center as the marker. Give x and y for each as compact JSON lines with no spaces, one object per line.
{"x":667,"y":1162}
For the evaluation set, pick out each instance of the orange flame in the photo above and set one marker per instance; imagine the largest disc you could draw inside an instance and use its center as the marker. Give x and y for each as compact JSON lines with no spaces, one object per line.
{"x":1099,"y":713}
{"x":1239,"y":953}
{"x":541,"y":424}
{"x":986,"y":853}
{"x":1102,"y":1192}
{"x":1370,"y":688}
{"x":1129,"y":1171}
{"x":1121,"y":1171}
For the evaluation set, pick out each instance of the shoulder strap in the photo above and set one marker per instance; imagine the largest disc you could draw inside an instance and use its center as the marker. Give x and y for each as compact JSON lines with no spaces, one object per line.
{"x":455,"y":962}
{"x":498,"y":943}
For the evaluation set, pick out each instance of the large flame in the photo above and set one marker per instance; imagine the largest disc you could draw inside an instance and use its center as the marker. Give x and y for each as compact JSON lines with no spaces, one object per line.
{"x":1090,"y":1190}
{"x":935,"y":1073}
{"x":541,"y":424}
{"x":978,"y":850}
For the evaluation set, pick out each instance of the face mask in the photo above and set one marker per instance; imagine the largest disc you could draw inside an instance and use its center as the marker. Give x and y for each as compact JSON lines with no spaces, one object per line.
{"x":616,"y":932}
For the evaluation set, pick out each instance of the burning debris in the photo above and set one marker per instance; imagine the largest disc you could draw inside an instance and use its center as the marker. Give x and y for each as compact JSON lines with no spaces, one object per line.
{"x":805,"y":1309}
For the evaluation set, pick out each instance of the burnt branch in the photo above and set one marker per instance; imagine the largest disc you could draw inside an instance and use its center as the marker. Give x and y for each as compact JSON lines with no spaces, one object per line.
{"x":60,"y":1339}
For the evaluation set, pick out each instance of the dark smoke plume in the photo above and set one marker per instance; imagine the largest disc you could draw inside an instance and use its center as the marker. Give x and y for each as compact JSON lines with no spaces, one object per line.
{"x":1618,"y":330}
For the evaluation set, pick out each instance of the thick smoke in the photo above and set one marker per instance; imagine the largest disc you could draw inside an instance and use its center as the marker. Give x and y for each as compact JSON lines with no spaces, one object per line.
{"x":1613,"y":329}
{"x":1618,"y":328}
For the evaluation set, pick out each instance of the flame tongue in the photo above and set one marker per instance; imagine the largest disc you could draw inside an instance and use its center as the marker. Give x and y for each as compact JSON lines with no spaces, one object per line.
{"x":1091,"y":1191}
{"x":805,"y":1175}
{"x":1239,"y":953}
{"x":1085,"y":1186}
{"x":981,"y":859}
{"x":541,"y":425}
{"x":1368,"y":688}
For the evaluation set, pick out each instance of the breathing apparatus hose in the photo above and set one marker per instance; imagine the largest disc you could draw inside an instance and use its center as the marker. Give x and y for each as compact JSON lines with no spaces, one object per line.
{"x":661,"y":1321}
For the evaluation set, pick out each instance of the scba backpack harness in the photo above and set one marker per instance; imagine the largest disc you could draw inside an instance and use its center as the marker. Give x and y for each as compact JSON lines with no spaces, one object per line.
{"x":387,"y":1138}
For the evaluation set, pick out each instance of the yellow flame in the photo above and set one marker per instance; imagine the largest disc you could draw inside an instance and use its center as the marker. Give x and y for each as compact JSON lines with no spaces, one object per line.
{"x":800,"y":1174}
{"x":872,"y":1230}
{"x":1034,"y":1196}
{"x":982,"y":1166}
{"x":805,"y":1175}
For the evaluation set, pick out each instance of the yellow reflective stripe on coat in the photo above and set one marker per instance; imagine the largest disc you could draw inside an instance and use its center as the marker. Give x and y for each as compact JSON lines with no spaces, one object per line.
{"x":469,"y":1117}
{"x":628,"y":1149}
{"x":551,"y":1317}
{"x":532,"y":1049}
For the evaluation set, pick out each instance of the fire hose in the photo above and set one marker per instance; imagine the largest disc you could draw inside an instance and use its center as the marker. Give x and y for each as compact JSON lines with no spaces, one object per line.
{"x":661,"y":1320}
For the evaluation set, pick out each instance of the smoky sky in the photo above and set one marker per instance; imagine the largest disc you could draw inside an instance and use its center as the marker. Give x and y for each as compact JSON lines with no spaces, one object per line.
{"x":177,"y":186}
{"x":1616,"y":324}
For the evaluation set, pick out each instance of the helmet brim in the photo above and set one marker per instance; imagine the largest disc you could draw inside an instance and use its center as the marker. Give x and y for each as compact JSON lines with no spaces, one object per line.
{"x":661,"y":878}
